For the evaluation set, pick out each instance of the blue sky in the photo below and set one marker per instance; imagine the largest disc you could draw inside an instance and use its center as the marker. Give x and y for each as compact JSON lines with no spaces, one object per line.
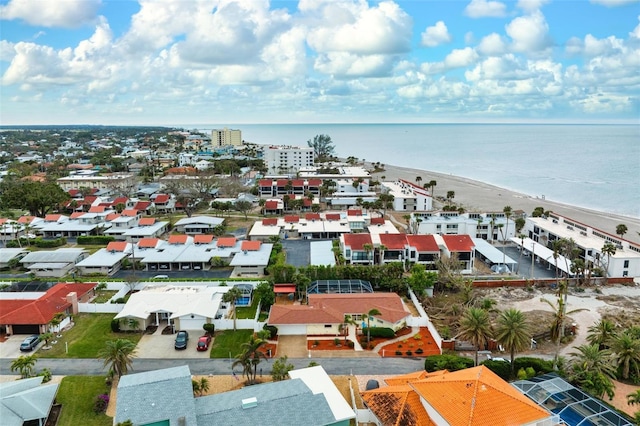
{"x":170,"y":62}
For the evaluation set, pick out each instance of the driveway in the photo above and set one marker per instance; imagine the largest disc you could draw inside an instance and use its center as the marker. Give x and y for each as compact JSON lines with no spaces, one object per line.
{"x":10,"y":348}
{"x":298,"y":252}
{"x":160,"y":345}
{"x":292,"y":346}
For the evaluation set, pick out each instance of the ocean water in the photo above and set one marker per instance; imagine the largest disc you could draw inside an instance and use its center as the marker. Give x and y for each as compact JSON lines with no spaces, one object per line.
{"x":592,"y":166}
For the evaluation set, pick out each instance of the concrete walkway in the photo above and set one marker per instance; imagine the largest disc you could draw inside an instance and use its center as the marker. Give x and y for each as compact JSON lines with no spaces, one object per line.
{"x":379,"y":346}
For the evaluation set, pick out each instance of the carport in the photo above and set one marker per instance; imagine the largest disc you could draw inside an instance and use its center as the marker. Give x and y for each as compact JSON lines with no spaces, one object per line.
{"x":538,"y":251}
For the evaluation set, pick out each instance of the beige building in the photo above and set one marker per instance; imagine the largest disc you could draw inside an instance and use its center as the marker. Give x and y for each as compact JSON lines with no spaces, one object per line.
{"x":116,"y":183}
{"x":224,"y":137}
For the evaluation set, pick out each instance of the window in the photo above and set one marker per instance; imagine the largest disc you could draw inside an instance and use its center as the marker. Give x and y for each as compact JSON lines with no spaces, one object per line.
{"x":626,"y":264}
{"x":327,"y":326}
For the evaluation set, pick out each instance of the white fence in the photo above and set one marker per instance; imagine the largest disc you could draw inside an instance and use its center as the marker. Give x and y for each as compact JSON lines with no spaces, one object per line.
{"x":100,"y":308}
{"x":423,"y":320}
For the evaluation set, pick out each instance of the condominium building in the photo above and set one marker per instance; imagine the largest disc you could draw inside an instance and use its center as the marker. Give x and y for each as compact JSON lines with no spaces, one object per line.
{"x":114,"y":183}
{"x":287,"y":159}
{"x":224,"y":137}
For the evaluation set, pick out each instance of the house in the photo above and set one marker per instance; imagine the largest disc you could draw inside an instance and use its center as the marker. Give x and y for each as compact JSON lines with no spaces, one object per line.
{"x":165,"y":397}
{"x":11,"y":255}
{"x":325,"y":313}
{"x":357,"y":248}
{"x":423,"y":249}
{"x":408,"y":196}
{"x":148,"y":227}
{"x":26,"y":401}
{"x":198,"y":224}
{"x":106,"y":261}
{"x":392,"y":248}
{"x":460,"y":246}
{"x":164,"y":203}
{"x":252,"y":259}
{"x":473,"y":396}
{"x":160,"y":397}
{"x":53,"y":263}
{"x":32,"y":316}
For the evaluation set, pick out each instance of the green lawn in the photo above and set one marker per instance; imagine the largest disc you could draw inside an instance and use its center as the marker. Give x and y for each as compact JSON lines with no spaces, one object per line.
{"x":248,"y":312}
{"x":77,"y":394}
{"x":87,"y":337}
{"x":229,"y":341}
{"x":104,"y":296}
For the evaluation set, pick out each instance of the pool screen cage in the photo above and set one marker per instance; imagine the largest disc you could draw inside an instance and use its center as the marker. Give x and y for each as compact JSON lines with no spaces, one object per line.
{"x":339,"y":286}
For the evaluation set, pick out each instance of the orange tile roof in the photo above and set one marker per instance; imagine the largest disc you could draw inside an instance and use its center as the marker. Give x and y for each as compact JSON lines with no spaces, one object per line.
{"x":26,"y":219}
{"x":203,"y":238}
{"x":117,"y":246}
{"x":42,"y":310}
{"x":147,"y":221}
{"x":357,"y":241}
{"x":178,"y":239}
{"x":226,"y":242}
{"x":130,"y":212}
{"x":389,"y":304}
{"x":251,"y":245}
{"x":423,"y":243}
{"x":148,"y":242}
{"x":458,"y":243}
{"x":52,"y":217}
{"x":112,"y":216}
{"x":75,"y":215}
{"x":477,"y":396}
{"x":96,"y":209}
{"x":397,"y":406}
{"x":406,"y":378}
{"x":302,"y":314}
{"x":393,"y":241}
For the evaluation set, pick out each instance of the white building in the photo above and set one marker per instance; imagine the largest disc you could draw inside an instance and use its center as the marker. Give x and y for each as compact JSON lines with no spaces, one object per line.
{"x":224,"y":137}
{"x":287,"y":159}
{"x":408,"y":196}
{"x":488,"y":226}
{"x":589,"y":241}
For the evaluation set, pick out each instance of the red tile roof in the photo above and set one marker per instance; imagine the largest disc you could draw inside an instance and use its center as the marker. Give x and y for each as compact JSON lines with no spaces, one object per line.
{"x":120,"y":200}
{"x":226,"y":242}
{"x":251,"y":245}
{"x":271,"y":205}
{"x":312,"y":216}
{"x":423,"y":243}
{"x":203,"y":238}
{"x":282,"y":182}
{"x":284,"y":288}
{"x":178,"y":239}
{"x":42,"y":310}
{"x":112,"y":216}
{"x":297,"y":182}
{"x":52,"y":217}
{"x":76,"y":215}
{"x":302,"y":314}
{"x":315,"y":182}
{"x":161,"y":198}
{"x":142,"y":205}
{"x":73,"y":192}
{"x":120,"y":246}
{"x":148,"y":242}
{"x":458,"y":243}
{"x":147,"y":221}
{"x":377,"y":221}
{"x":354,"y":212}
{"x":130,"y":212}
{"x":26,"y":219}
{"x":307,"y":202}
{"x":265,"y":182}
{"x":394,"y":241}
{"x":291,"y":219}
{"x":357,"y":241}
{"x":96,"y":209}
{"x":270,"y":221}
{"x":332,"y":216}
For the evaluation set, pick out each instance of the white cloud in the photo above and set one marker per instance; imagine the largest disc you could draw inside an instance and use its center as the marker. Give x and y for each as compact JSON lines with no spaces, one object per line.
{"x":529,"y":33}
{"x":531,"y":5}
{"x":348,"y":64}
{"x":7,"y":51}
{"x":485,"y":8}
{"x":492,"y":45}
{"x":58,"y":13}
{"x":435,"y":35}
{"x":459,"y":58}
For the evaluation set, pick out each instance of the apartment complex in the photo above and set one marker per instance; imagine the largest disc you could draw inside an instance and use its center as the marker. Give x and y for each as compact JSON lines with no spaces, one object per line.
{"x":114,"y":183}
{"x":287,"y":159}
{"x":225,"y":137}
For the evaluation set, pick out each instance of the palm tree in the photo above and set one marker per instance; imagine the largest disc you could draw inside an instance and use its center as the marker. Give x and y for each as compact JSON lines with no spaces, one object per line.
{"x":251,"y":357}
{"x":609,"y":249}
{"x":557,"y":326}
{"x":418,"y":179}
{"x":24,"y":364}
{"x":634,"y":398}
{"x":621,"y":230}
{"x":512,"y":332}
{"x":432,"y":184}
{"x":369,"y":314}
{"x":347,"y":321}
{"x":368,"y":248}
{"x":626,"y":355}
{"x":475,"y":327}
{"x":381,"y":249}
{"x":592,"y":370}
{"x":507,"y":213}
{"x":522,"y":237}
{"x":232,"y":296}
{"x":601,"y":334}
{"x":118,"y":354}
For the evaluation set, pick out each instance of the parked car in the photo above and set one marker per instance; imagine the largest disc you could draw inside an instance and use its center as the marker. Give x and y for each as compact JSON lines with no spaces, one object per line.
{"x":29,"y":343}
{"x":203,"y":343}
{"x":181,"y":340}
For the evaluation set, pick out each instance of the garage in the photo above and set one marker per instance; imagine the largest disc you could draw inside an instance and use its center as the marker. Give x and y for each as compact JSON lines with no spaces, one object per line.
{"x":292,"y":329}
{"x":25,"y":329}
{"x":191,"y":322}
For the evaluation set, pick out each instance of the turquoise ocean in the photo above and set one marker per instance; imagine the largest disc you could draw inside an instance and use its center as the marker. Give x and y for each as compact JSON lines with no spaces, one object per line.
{"x":592,"y":166}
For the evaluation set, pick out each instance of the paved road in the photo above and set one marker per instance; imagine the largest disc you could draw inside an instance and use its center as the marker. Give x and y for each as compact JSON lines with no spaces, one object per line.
{"x":333,"y":366}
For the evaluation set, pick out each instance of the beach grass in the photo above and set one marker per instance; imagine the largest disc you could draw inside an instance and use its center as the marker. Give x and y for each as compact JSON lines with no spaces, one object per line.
{"x":77,"y":395}
{"x":86,"y":338}
{"x":229,"y":342}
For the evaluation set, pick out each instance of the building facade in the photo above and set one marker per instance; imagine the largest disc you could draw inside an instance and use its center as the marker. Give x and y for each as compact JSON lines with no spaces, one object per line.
{"x":225,"y":137}
{"x":287,"y":159}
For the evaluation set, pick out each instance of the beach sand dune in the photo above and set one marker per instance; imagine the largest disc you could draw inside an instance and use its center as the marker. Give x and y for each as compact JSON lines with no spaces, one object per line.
{"x":478,"y":196}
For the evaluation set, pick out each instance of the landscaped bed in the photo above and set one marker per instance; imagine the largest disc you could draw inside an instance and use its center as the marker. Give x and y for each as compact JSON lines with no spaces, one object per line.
{"x":420,"y":345}
{"x":328,"y":345}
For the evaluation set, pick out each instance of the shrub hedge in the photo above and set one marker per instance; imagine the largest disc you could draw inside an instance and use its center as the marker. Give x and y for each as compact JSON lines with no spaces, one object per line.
{"x":380,"y":332}
{"x":501,"y":368}
{"x":540,"y":366}
{"x":447,"y":362}
{"x":95,"y":240}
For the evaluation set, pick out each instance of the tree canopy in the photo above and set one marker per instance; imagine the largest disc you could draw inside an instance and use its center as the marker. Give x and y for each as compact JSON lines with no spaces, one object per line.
{"x":322,"y":147}
{"x":37,"y":197}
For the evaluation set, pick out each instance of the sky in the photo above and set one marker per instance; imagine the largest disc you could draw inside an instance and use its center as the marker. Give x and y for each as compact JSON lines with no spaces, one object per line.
{"x":169,"y":62}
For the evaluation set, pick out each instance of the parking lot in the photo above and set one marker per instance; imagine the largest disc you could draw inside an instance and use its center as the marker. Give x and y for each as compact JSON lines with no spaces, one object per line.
{"x":298,"y":252}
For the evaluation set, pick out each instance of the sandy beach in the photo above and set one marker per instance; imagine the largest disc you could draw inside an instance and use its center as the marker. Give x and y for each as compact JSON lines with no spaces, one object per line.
{"x":482,"y":197}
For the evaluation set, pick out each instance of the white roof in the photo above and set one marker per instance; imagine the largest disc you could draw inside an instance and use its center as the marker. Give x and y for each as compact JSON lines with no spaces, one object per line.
{"x":24,"y":400}
{"x":208,"y":220}
{"x":145,"y":231}
{"x":104,"y":257}
{"x":253,"y":258}
{"x":490,"y":252}
{"x":321,"y":253}
{"x":177,"y":300}
{"x":544,"y":253}
{"x":65,"y":255}
{"x":260,"y":230}
{"x":318,"y":381}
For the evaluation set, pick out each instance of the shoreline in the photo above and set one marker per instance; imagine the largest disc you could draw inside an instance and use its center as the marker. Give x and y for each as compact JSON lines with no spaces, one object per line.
{"x":479,"y":196}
